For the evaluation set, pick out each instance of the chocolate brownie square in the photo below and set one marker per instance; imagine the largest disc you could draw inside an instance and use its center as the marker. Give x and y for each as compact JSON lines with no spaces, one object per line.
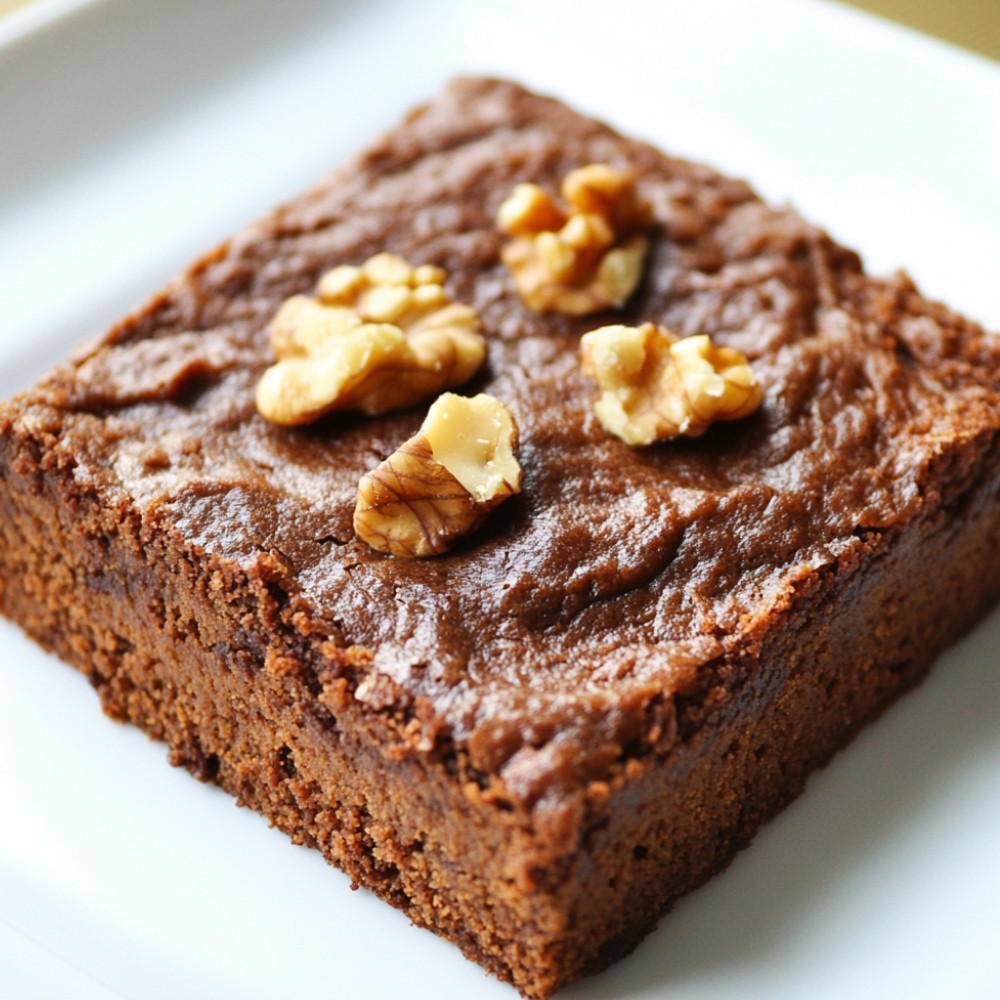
{"x":535,"y":741}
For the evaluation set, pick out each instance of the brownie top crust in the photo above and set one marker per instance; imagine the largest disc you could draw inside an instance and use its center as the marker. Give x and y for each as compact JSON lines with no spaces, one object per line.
{"x":619,"y":576}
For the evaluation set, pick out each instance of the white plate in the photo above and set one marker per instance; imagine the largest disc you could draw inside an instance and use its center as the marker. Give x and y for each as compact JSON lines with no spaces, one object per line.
{"x":134,"y":135}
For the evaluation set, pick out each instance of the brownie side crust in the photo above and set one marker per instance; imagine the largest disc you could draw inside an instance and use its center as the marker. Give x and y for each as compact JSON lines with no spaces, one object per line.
{"x":536,"y":743}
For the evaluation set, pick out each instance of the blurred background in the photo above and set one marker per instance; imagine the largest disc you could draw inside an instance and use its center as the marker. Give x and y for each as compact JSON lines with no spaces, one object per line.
{"x":971,"y":24}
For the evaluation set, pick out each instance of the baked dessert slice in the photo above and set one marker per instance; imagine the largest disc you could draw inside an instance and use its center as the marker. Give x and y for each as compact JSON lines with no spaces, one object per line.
{"x":537,"y":740}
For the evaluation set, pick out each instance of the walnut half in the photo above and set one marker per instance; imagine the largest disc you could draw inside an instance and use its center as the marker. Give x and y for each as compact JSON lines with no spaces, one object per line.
{"x":581,"y":259}
{"x":380,"y":337}
{"x":655,"y":386}
{"x":443,"y":482}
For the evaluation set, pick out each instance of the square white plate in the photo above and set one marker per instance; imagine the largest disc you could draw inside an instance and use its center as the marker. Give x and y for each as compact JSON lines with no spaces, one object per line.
{"x":134,"y":135}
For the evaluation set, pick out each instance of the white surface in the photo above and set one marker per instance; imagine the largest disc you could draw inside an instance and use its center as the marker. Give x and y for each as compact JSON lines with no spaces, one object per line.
{"x":135,"y":135}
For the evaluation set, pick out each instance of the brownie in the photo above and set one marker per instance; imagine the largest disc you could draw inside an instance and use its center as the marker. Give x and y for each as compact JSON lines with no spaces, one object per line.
{"x":536,"y":742}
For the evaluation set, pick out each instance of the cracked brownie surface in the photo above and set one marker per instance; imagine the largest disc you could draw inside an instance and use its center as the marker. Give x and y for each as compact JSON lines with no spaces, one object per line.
{"x":631,"y":610}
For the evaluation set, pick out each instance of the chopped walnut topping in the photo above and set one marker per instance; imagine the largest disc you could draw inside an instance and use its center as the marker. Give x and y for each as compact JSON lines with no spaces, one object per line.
{"x":379,"y":337}
{"x":443,"y":482}
{"x":655,"y":386}
{"x":584,"y":259}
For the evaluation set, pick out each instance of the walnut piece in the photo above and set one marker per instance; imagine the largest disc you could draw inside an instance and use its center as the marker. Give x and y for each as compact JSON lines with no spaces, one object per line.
{"x":655,"y":386}
{"x":580,"y":260}
{"x":442,"y":483}
{"x":379,"y":337}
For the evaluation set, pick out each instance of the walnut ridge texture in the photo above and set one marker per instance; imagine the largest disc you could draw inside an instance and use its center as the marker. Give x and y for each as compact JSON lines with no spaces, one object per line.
{"x":537,"y":741}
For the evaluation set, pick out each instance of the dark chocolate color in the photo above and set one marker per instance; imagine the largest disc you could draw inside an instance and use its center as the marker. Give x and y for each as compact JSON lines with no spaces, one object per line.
{"x":714,"y":611}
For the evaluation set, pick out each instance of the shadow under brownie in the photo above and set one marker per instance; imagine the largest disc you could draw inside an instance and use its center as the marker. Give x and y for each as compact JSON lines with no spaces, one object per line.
{"x":535,"y":743}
